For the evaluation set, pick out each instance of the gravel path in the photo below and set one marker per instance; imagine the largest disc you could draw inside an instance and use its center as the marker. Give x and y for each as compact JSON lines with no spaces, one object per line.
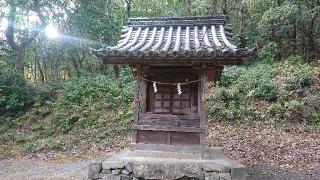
{"x":34,"y":168}
{"x":76,"y":168}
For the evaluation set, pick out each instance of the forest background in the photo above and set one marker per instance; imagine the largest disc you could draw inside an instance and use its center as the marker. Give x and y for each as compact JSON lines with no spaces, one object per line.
{"x":56,"y":96}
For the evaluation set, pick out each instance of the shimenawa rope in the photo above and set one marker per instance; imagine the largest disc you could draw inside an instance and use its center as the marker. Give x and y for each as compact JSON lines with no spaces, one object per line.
{"x":167,"y":83}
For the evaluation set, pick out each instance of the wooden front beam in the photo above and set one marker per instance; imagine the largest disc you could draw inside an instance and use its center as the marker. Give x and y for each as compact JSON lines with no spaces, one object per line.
{"x":201,"y":105}
{"x":168,"y":128}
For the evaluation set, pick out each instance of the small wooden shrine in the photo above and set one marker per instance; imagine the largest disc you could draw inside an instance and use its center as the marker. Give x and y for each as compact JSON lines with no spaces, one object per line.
{"x":172,"y":59}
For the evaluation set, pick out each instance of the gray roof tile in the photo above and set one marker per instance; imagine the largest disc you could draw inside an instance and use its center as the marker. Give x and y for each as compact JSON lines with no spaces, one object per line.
{"x":175,"y":37}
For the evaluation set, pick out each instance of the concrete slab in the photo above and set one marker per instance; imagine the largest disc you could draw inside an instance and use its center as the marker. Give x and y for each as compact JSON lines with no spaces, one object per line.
{"x":173,"y":162}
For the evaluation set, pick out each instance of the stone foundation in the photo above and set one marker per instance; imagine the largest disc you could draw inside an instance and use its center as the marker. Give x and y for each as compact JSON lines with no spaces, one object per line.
{"x":168,"y":162}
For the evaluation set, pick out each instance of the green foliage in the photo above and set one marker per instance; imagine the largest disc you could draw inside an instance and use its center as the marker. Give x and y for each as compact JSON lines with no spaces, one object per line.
{"x":71,"y":99}
{"x":256,"y":81}
{"x":267,"y":90}
{"x":301,"y":74}
{"x":231,"y":76}
{"x":91,"y":109}
{"x":269,"y":52}
{"x":82,"y":101}
{"x":295,"y":60}
{"x":46,"y":92}
{"x":280,"y":14}
{"x":15,"y":93}
{"x":96,"y":20}
{"x":283,"y":92}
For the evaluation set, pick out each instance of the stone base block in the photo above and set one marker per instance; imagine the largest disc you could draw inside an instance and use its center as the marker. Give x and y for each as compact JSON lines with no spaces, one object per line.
{"x":170,"y":162}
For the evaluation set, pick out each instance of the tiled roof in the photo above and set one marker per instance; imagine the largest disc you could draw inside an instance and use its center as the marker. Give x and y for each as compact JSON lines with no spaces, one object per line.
{"x":206,"y":37}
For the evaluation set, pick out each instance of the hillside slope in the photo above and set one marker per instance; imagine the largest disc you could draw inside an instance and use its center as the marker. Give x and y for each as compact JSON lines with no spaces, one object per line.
{"x":261,"y":113}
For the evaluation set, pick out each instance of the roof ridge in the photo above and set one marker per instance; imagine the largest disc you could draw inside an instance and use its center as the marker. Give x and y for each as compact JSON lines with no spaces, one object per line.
{"x":217,"y":19}
{"x":157,"y":18}
{"x":206,"y":38}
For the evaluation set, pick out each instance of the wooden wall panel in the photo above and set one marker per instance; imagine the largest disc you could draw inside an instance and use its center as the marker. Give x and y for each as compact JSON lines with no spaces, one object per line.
{"x":183,"y":138}
{"x":153,"y":137}
{"x":169,"y":138}
{"x":170,"y":120}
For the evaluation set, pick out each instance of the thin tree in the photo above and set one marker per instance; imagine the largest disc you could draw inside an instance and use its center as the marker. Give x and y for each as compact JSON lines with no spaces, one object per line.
{"x":18,"y":45}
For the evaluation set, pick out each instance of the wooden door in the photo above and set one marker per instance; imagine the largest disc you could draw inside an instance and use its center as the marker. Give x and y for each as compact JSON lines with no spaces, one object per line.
{"x":167,"y":100}
{"x":162,"y":99}
{"x":170,"y":118}
{"x":181,"y":103}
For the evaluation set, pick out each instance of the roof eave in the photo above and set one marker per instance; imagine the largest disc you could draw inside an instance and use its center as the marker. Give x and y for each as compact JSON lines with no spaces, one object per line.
{"x":174,"y":61}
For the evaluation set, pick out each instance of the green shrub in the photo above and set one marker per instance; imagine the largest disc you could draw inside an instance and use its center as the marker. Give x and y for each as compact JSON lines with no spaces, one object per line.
{"x":225,"y":104}
{"x":15,"y":94}
{"x":267,"y":90}
{"x":231,"y":75}
{"x":269,"y":52}
{"x":295,"y":60}
{"x":281,"y":92}
{"x":79,"y":112}
{"x":82,"y":101}
{"x":46,"y":92}
{"x":299,"y":74}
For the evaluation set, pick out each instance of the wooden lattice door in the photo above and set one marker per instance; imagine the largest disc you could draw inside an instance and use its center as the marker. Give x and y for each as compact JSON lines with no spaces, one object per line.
{"x":170,"y":118}
{"x":168,"y":101}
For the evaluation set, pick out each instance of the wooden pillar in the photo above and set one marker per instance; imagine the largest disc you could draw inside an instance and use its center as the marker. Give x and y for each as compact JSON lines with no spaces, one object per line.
{"x":137,"y":96}
{"x":143,"y":96}
{"x":201,"y":105}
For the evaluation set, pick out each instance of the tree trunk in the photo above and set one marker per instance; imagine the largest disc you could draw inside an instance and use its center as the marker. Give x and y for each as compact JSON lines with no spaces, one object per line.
{"x":45,"y":70}
{"x":310,"y":48}
{"x":128,"y":8}
{"x":41,"y":72}
{"x":116,"y":69}
{"x":19,"y":61}
{"x":40,"y":69}
{"x":295,"y":41}
{"x":75,"y":66}
{"x":35,"y":70}
{"x":224,"y":9}
{"x":18,"y":47}
{"x":188,"y":2}
{"x":241,"y":20}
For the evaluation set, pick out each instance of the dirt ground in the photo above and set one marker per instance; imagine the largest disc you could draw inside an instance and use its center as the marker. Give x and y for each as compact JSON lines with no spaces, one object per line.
{"x":70,"y":167}
{"x":270,"y":153}
{"x":66,"y":167}
{"x":268,"y":172}
{"x":270,"y":149}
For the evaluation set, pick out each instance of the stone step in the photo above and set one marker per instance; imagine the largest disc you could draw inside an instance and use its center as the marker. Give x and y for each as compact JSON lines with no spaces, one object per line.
{"x":164,"y":154}
{"x":171,"y":162}
{"x":172,"y":148}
